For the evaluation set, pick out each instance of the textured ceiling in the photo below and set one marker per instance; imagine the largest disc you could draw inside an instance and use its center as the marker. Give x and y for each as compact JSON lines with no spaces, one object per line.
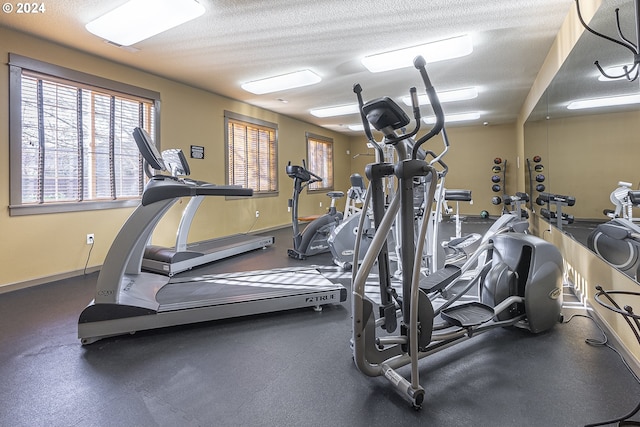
{"x":236,"y":41}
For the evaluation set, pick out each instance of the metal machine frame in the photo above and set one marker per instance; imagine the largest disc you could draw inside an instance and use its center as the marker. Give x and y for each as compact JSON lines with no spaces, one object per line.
{"x":185,"y":256}
{"x":129,"y":300}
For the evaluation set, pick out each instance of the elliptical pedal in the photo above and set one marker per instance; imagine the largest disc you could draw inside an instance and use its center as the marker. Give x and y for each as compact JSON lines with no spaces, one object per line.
{"x":468,"y":315}
{"x":440,"y":279}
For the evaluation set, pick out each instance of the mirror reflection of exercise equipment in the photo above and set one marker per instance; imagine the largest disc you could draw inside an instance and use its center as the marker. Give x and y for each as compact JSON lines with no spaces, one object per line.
{"x":499,"y":180}
{"x":556,"y":201}
{"x":618,"y":240}
{"x":536,"y":182}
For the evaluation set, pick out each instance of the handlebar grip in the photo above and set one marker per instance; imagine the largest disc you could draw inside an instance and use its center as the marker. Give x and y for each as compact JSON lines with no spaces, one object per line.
{"x":415,"y":103}
{"x":420,"y":63}
{"x":317,"y":178}
{"x":357,"y":89}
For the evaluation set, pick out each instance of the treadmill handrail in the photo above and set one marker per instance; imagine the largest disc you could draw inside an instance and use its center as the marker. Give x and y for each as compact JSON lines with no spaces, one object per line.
{"x":127,"y":250}
{"x":164,"y":187}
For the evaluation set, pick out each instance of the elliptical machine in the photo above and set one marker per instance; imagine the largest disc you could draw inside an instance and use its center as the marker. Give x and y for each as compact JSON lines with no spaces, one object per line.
{"x":313,"y":239}
{"x":342,"y":239}
{"x":618,"y":240}
{"x":519,"y":284}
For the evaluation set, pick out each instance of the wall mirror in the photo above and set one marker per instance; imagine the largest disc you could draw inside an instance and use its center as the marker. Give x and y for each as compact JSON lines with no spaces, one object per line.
{"x":586,"y":152}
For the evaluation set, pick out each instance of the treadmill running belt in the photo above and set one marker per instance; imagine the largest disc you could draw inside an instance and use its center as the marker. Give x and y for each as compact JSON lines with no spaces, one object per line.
{"x":227,"y":288}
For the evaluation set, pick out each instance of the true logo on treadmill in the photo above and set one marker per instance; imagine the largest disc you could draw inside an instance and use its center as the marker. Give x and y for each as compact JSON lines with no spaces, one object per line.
{"x":320,"y":298}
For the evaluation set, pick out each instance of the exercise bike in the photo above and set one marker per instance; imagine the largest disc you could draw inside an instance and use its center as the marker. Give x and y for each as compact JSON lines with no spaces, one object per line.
{"x":518,"y":285}
{"x":313,"y":239}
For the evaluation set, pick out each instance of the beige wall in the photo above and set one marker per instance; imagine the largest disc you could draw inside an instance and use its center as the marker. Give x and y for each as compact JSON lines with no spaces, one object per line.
{"x":37,"y":248}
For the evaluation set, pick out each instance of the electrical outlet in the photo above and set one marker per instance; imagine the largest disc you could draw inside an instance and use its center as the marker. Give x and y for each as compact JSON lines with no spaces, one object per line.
{"x":257,"y":214}
{"x":320,"y":204}
{"x":90,"y":239}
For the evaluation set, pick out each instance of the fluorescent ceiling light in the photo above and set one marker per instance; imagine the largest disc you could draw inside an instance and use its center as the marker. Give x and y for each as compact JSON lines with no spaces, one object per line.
{"x":463,"y":117}
{"x":446,"y":96}
{"x":283,"y":82}
{"x":604,"y":102}
{"x":340,"y":110}
{"x":137,"y":20}
{"x":432,"y":52}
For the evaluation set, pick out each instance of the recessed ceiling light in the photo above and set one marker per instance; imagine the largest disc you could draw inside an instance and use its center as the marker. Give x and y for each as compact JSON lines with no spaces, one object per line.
{"x":446,"y":96}
{"x":357,"y":128}
{"x":462,"y":117}
{"x":138,"y":20}
{"x":604,"y":102}
{"x":440,"y":50}
{"x":282,"y":82}
{"x":339,"y":110}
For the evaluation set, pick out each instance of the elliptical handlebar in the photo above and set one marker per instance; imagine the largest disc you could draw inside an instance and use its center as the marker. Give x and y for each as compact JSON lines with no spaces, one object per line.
{"x":357,"y":89}
{"x":390,"y":138}
{"x":437,"y":159}
{"x":420,"y":63}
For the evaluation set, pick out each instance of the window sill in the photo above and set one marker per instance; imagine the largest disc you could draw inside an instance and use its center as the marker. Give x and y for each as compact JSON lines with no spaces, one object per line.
{"x":47,"y":208}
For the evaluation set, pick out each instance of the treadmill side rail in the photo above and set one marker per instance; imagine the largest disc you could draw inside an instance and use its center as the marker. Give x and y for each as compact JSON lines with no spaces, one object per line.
{"x":100,"y":321}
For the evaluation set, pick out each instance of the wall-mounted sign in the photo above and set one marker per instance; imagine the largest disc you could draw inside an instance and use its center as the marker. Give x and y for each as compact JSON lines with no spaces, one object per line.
{"x":197,"y":152}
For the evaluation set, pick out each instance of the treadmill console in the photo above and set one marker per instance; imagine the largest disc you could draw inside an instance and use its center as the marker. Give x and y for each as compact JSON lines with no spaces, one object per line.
{"x":148,"y":149}
{"x":176,"y":162}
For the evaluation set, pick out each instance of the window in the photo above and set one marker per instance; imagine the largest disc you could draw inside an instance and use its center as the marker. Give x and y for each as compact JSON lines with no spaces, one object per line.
{"x":251,"y":153}
{"x":71,"y":139}
{"x":320,"y":161}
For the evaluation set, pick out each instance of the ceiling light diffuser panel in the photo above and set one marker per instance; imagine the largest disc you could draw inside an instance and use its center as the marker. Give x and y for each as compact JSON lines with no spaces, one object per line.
{"x":604,"y":102}
{"x":339,"y":110}
{"x":446,"y":96}
{"x":440,"y":50}
{"x":138,"y":20}
{"x":282,"y":82}
{"x":462,"y":117}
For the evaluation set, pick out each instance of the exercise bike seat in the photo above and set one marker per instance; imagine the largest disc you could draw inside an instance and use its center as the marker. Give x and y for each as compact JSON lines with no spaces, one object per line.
{"x":335,"y":194}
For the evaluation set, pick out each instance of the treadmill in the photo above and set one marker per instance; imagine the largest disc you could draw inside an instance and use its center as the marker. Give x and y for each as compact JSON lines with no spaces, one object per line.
{"x":129,"y":300}
{"x":185,"y":256}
